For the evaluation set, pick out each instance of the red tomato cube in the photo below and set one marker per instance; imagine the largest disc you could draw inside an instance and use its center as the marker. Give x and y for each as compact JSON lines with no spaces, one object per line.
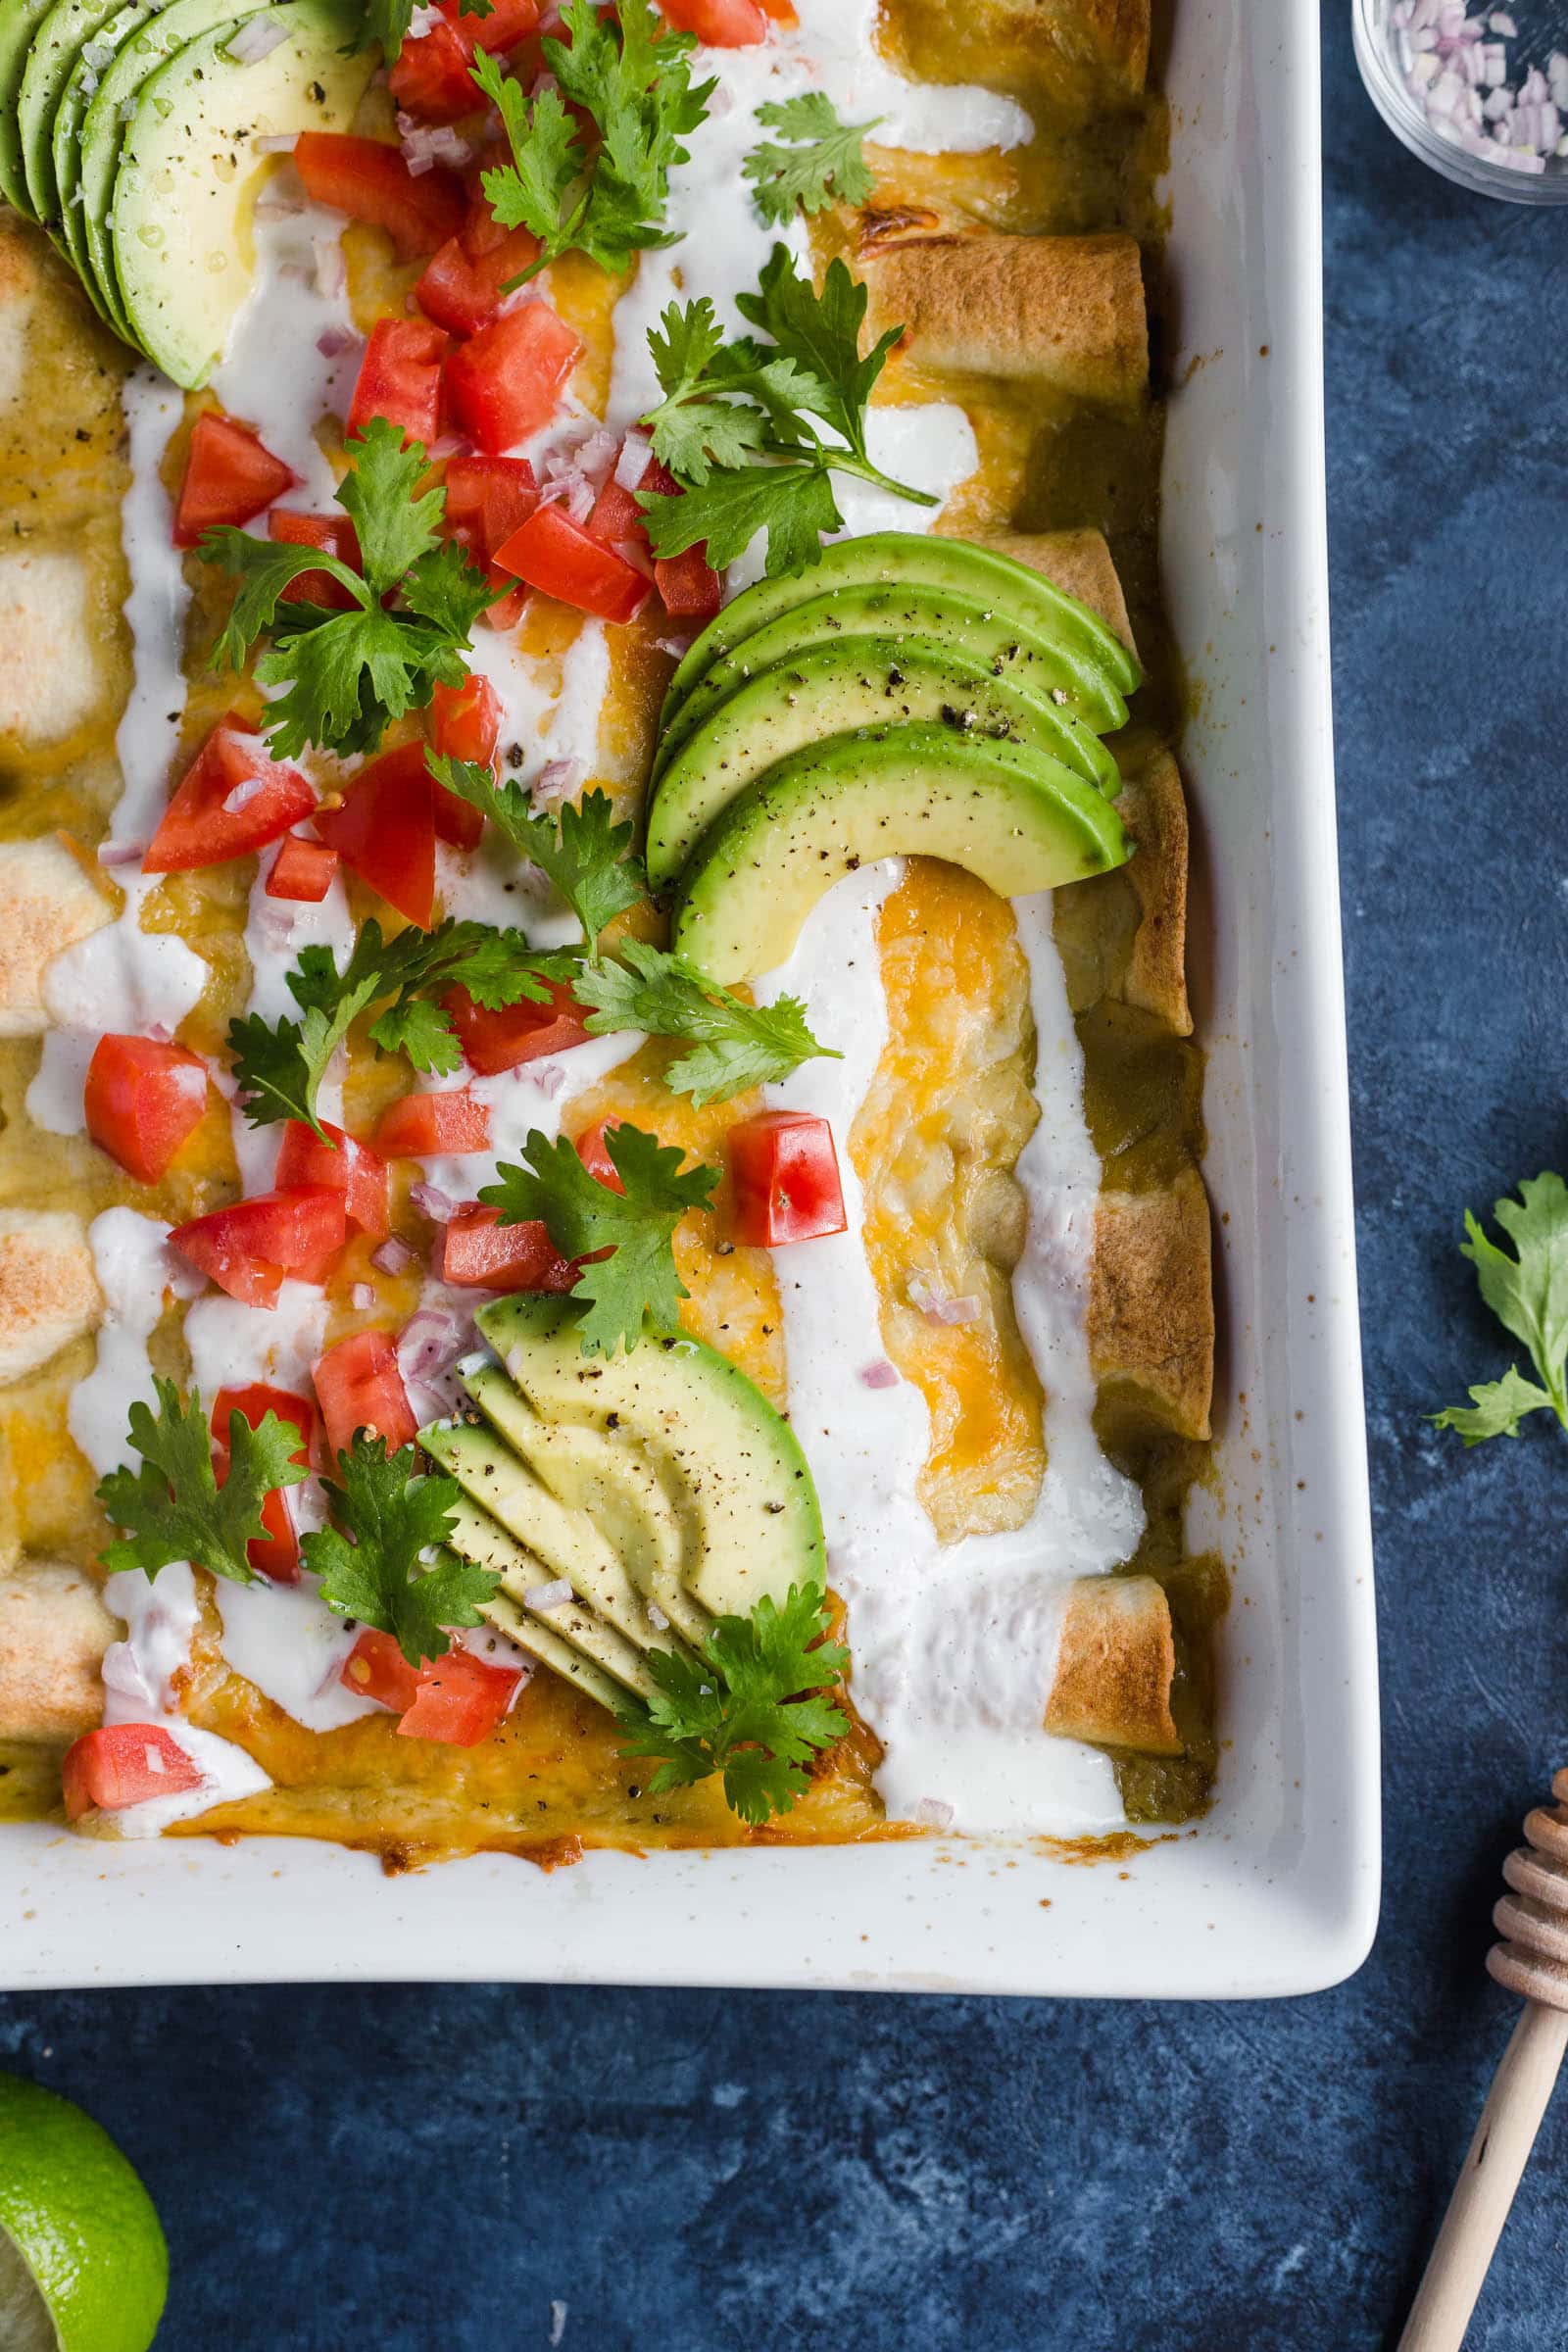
{"x":144,"y":1101}
{"x":232,"y":800}
{"x":343,"y":1165}
{"x":786,"y":1176}
{"x":125,"y":1764}
{"x":385,"y":831}
{"x":375,"y":1668}
{"x":400,"y":378}
{"x":249,"y":1247}
{"x":369,"y":179}
{"x":486,"y":500}
{"x":228,"y":477}
{"x":460,"y":1699}
{"x":464,"y":724}
{"x":479,"y":1252}
{"x":720,"y":24}
{"x":302,"y":871}
{"x":424,"y":1126}
{"x":464,"y":291}
{"x":558,"y":558}
{"x":336,"y":536}
{"x":506,"y":382}
{"x":593,"y":1152}
{"x":518,"y":1033}
{"x":276,"y":1554}
{"x":691,"y":588}
{"x":358,"y":1386}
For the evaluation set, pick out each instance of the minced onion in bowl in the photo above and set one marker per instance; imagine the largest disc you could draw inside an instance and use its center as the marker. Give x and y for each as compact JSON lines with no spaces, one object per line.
{"x":1480,"y":93}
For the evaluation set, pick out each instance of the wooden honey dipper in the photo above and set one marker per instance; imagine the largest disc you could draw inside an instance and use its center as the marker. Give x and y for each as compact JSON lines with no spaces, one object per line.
{"x":1533,"y":1962}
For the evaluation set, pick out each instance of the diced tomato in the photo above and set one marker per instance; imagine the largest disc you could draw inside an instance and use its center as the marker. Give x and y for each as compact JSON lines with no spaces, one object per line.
{"x":425,"y":1126}
{"x":302,"y":871}
{"x":144,"y":1101}
{"x":720,"y":24}
{"x":369,"y":179}
{"x":433,"y":77}
{"x":464,"y":724}
{"x":557,"y":556}
{"x":375,"y":1668}
{"x":228,"y":477}
{"x":231,"y":801}
{"x":344,"y":1166}
{"x":593,"y":1152}
{"x":400,"y":378}
{"x":691,"y":588}
{"x":506,"y":380}
{"x":385,"y":831}
{"x":509,"y":22}
{"x":479,"y":1252}
{"x":249,"y":1247}
{"x":617,"y":519}
{"x":336,"y":536}
{"x":779,"y":11}
{"x":786,"y":1175}
{"x":460,"y":1701}
{"x":358,"y":1386}
{"x":487,"y":498}
{"x":518,"y":1033}
{"x":125,"y":1764}
{"x":276,"y":1554}
{"x":465,"y":291}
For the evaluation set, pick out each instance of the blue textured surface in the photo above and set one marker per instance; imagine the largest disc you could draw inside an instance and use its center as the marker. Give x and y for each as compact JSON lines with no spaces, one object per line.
{"x":425,"y":2170}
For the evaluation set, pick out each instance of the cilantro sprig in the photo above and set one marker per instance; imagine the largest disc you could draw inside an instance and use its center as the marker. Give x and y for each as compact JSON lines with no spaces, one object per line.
{"x":1528,"y":1292}
{"x":372,"y":1564}
{"x":172,"y":1509}
{"x":386,"y":23}
{"x":605,"y":199}
{"x":735,"y":1045}
{"x":755,"y":431}
{"x":636,"y":1283}
{"x":584,"y":852}
{"x":816,"y":161}
{"x":752,"y":1704}
{"x":347,"y":675}
{"x":280,"y":1065}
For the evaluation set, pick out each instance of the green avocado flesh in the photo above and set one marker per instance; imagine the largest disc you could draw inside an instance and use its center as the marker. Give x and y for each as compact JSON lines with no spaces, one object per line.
{"x":150,"y":48}
{"x":907,"y":559}
{"x":660,"y":1486}
{"x":56,"y":48}
{"x":19,"y":21}
{"x":67,"y":136}
{"x":190,"y":170}
{"x":986,"y":633}
{"x":832,"y":690}
{"x":1019,"y":821}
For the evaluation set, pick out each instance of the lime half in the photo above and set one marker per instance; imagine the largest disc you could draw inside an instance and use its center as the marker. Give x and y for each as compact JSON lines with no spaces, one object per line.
{"x":83,"y":2267}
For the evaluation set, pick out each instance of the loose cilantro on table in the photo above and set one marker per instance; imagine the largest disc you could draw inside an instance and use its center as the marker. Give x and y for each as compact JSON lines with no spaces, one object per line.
{"x":373,"y":1566}
{"x":736,"y":1046}
{"x":1528,"y":1292}
{"x":753,"y":1705}
{"x":632,"y":76}
{"x":637,"y":1281}
{"x":585,"y":852}
{"x":736,"y":424}
{"x":348,"y":673}
{"x":280,"y":1065}
{"x":822,"y":162}
{"x":172,"y":1509}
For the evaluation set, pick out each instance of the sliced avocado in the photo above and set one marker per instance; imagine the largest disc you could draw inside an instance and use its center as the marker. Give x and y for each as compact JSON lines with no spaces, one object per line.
{"x":1046,"y":664}
{"x":480,"y":1538}
{"x":65,"y":138}
{"x":908,"y":560}
{"x":189,"y":170}
{"x":532,"y":1634}
{"x":57,"y":45}
{"x":19,"y":21}
{"x":1018,"y":821}
{"x":744,"y":1492}
{"x":608,"y":1479}
{"x":567,"y":1541}
{"x":151,"y":45}
{"x":832,"y":690}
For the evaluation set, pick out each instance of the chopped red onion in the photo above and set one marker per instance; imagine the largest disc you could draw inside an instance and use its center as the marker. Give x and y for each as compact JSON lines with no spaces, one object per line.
{"x":243,"y":793}
{"x":1450,"y":57}
{"x":555,"y":782}
{"x":933,"y":1813}
{"x":447,"y":444}
{"x":257,"y":38}
{"x":635,"y":553}
{"x":122,"y":853}
{"x":937,"y":1307}
{"x":362,"y":1297}
{"x":432,"y":1202}
{"x":657,"y":1618}
{"x":879,"y":1375}
{"x":331,"y":273}
{"x":159,"y":1031}
{"x":276,"y":142}
{"x":393,"y":1257}
{"x":549,"y":1077}
{"x":432,"y":1341}
{"x":548,"y":1596}
{"x":427,"y":144}
{"x":632,"y":464}
{"x":678,"y":648}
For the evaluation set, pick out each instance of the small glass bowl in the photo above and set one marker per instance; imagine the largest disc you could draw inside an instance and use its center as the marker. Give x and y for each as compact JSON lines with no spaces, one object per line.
{"x":1439,"y":140}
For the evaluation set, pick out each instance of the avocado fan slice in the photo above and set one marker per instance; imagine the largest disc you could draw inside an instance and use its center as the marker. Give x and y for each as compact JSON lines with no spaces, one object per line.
{"x":910,"y":559}
{"x":1019,"y":821}
{"x":65,"y":139}
{"x":19,"y":20}
{"x":831,"y":690}
{"x":479,"y":1537}
{"x":56,"y":46}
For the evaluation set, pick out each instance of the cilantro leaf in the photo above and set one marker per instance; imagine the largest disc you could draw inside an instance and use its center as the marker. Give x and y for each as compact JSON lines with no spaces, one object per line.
{"x":395,"y":1515}
{"x":172,"y":1509}
{"x":751,"y":1705}
{"x":632,"y":76}
{"x":821,"y":165}
{"x":587,"y":855}
{"x":1528,"y":1292}
{"x":793,"y":504}
{"x":386,"y":24}
{"x":347,"y":673}
{"x":737,"y":1045}
{"x":821,"y":334}
{"x":637,"y":1281}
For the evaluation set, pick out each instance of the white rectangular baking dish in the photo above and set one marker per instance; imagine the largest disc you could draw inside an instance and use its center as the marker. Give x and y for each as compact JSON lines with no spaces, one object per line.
{"x":1276,"y":1890}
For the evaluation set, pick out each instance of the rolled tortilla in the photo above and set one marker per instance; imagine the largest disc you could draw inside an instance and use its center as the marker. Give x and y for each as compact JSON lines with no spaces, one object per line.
{"x":47,"y":903}
{"x":1076,"y":562}
{"x":1115,"y":1666}
{"x":1152,"y":1306}
{"x":48,"y":668}
{"x":1064,"y":312}
{"x":1109,"y":38}
{"x":49,"y":1290}
{"x":1153,"y":808}
{"x":54,"y":1630}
